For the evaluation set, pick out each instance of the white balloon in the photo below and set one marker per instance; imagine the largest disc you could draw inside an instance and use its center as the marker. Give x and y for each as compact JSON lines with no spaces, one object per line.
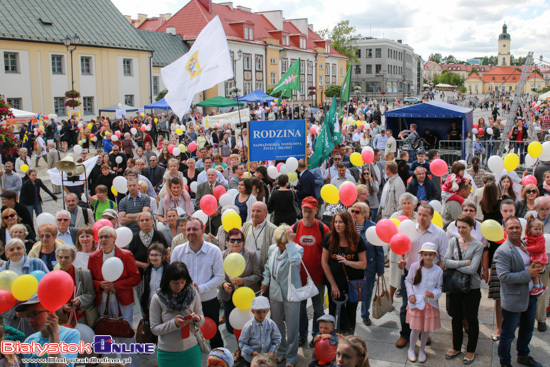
{"x":124,"y":236}
{"x":94,"y":139}
{"x":114,"y":138}
{"x":489,"y":131}
{"x":232,"y":192}
{"x":59,"y":127}
{"x":185,"y":181}
{"x":367,"y":148}
{"x":292,"y":164}
{"x":226,"y":199}
{"x":530,"y":161}
{"x":436,"y":205}
{"x":133,"y":131}
{"x":474,"y":131}
{"x":545,"y":155}
{"x":120,"y":183}
{"x":77,"y":149}
{"x":45,"y":218}
{"x":80,"y":124}
{"x":201,"y":215}
{"x":407,"y":227}
{"x":112,"y":269}
{"x":284,"y":170}
{"x":373,"y":238}
{"x":193,"y":186}
{"x":496,"y":164}
{"x":84,"y":198}
{"x":547,"y":239}
{"x":118,"y":160}
{"x":176,"y":151}
{"x":238,"y":317}
{"x":272,"y":172}
{"x":86,"y":333}
{"x":148,"y":128}
{"x":523,"y":223}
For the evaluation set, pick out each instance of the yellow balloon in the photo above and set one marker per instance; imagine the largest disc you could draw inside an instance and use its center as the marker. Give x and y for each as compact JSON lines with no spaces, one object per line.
{"x":242,"y":298}
{"x":230,"y":221}
{"x":511,"y":162}
{"x":142,"y":114}
{"x":534,"y":149}
{"x":156,"y":120}
{"x":247,"y":175}
{"x":179,"y":131}
{"x":57,"y":267}
{"x":357,"y":123}
{"x":90,"y":125}
{"x":292,"y":176}
{"x":24,"y":168}
{"x":326,"y":299}
{"x":115,"y":193}
{"x":234,"y":263}
{"x":182,"y":148}
{"x":7,"y":277}
{"x":492,"y":230}
{"x":396,"y":221}
{"x":329,"y":193}
{"x":437,"y":219}
{"x":24,"y":287}
{"x":356,"y":159}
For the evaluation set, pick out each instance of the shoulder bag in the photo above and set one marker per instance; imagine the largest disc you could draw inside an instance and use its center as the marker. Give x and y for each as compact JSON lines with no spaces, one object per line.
{"x":356,"y":287}
{"x":203,"y":345}
{"x":295,"y":205}
{"x":112,"y":325}
{"x":300,"y":294}
{"x":381,"y":303}
{"x":455,"y":281}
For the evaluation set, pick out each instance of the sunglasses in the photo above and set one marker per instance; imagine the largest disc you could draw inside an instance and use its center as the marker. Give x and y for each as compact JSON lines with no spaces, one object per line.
{"x":356,"y":211}
{"x":531,"y":191}
{"x":63,"y":220}
{"x":236,"y":240}
{"x":9,"y":216}
{"x":44,"y":236}
{"x":104,"y":237}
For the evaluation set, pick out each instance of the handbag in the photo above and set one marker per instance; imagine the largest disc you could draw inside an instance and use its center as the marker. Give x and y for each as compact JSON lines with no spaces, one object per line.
{"x":455,"y":281}
{"x":144,"y":334}
{"x":112,"y":325}
{"x":381,"y":302}
{"x":296,"y":207}
{"x":356,"y":287}
{"x":300,"y":294}
{"x":203,"y":345}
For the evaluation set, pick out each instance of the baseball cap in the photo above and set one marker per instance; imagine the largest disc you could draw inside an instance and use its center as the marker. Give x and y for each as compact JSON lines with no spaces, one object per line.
{"x":110,"y":212}
{"x":328,"y":318}
{"x":223,"y":354}
{"x":428,"y":247}
{"x":310,"y":202}
{"x":421,"y":151}
{"x":260,"y":303}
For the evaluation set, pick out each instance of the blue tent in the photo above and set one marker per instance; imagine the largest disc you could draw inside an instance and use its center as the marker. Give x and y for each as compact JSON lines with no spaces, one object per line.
{"x":434,"y":115}
{"x":159,"y":105}
{"x":256,"y":96}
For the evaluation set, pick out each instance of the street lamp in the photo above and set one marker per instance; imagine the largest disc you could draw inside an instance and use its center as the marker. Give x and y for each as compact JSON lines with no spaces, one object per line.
{"x":68,"y":42}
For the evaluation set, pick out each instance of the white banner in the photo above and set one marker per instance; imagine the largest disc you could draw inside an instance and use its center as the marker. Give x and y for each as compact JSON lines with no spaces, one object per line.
{"x":227,"y":118}
{"x":55,"y":174}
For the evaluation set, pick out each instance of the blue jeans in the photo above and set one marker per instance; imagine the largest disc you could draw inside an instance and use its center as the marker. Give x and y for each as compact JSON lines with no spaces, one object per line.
{"x":37,"y":208}
{"x":412,"y":155}
{"x":373,"y":214}
{"x":519,"y":149}
{"x":511,"y":320}
{"x":405,"y":328}
{"x":318,"y":311}
{"x":367,"y":295}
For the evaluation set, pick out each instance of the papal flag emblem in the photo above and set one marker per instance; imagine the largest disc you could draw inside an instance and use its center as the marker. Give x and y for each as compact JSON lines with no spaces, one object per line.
{"x":193,"y":66}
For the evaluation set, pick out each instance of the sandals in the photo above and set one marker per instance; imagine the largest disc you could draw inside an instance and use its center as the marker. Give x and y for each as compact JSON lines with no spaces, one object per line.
{"x":450,"y":355}
{"x":469,"y":360}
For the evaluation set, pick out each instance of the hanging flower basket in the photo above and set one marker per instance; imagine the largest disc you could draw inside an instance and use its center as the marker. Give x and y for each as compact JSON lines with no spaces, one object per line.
{"x":72,"y":94}
{"x":72,"y":103}
{"x":5,"y":109}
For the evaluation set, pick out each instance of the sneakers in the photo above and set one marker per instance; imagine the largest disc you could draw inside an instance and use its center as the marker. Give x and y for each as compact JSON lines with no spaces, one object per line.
{"x":422,"y":356}
{"x":528,"y":361}
{"x":537,"y":291}
{"x":411,"y":355}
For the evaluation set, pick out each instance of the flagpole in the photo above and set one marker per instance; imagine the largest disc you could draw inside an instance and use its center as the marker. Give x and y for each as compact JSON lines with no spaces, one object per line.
{"x":305,"y":124}
{"x":248,"y":150}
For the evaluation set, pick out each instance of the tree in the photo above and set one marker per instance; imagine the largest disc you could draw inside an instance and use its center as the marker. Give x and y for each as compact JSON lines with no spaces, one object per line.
{"x":161,"y":95}
{"x":435,"y":58}
{"x":450,"y":60}
{"x":474,"y":70}
{"x":448,"y":77}
{"x":333,"y":90}
{"x":489,"y":60}
{"x":342,"y":37}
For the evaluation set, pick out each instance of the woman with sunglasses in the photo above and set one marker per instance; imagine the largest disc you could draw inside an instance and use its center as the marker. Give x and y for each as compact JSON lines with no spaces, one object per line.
{"x":45,"y":248}
{"x":372,"y":188}
{"x":528,"y":195}
{"x":9,"y":219}
{"x":249,"y":278}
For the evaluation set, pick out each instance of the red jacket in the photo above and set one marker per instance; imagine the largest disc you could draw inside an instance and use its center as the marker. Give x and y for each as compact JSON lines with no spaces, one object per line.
{"x":125,"y":284}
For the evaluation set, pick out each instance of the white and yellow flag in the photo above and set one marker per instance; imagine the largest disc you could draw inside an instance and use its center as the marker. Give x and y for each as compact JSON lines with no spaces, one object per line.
{"x":206,"y":64}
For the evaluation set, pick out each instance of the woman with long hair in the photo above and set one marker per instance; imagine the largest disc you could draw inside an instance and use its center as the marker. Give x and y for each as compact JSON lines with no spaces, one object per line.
{"x":373,"y":187}
{"x":244,"y":199}
{"x":281,"y":203}
{"x":527,"y":203}
{"x":343,"y":260}
{"x":164,"y":157}
{"x":506,"y":188}
{"x":85,"y":245}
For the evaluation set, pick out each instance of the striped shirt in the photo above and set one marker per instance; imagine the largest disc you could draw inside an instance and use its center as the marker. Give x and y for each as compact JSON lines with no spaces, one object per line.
{"x":130,"y":205}
{"x":433,"y":234}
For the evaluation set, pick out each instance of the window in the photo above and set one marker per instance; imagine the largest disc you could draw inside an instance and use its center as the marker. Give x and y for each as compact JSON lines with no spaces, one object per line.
{"x":259,"y":63}
{"x":57,"y":64}
{"x":327,"y":69}
{"x":85,"y":65}
{"x":302,"y":43}
{"x":503,"y":61}
{"x":333,"y":69}
{"x":245,"y":33}
{"x":273,"y":61}
{"x":229,"y":84}
{"x":504,"y":45}
{"x":284,"y":65}
{"x":302,"y":67}
{"x":357,"y":69}
{"x":320,"y":80}
{"x":155,"y":85}
{"x":88,"y":105}
{"x":251,"y":33}
{"x":310,"y":67}
{"x":358,"y":53}
{"x":378,"y":53}
{"x":11,"y":62}
{"x":16,"y":103}
{"x":327,"y":49}
{"x":127,"y":68}
{"x":389,"y":53}
{"x":378,"y":68}
{"x":129,"y":99}
{"x":273,"y":78}
{"x":259,"y":85}
{"x":285,"y":40}
{"x":247,"y":86}
{"x":247,"y":63}
{"x":59,"y":105}
{"x":368,"y":53}
{"x":369,"y":69}
{"x":302,"y":88}
{"x":320,"y":66}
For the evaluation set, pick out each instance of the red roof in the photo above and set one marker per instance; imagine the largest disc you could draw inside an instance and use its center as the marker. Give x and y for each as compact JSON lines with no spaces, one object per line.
{"x":152,"y":24}
{"x":466,"y":67}
{"x":502,"y":74}
{"x":474,"y":76}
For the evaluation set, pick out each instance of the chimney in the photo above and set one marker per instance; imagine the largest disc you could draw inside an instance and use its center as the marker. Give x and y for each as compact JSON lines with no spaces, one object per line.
{"x":244,"y":8}
{"x":310,"y":26}
{"x":399,"y":41}
{"x":207,"y":4}
{"x":171,"y":30}
{"x":228,"y":3}
{"x":142,"y":17}
{"x":166,"y":16}
{"x":128,"y":18}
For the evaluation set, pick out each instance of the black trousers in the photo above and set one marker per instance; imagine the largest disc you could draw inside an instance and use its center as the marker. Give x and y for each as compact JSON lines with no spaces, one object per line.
{"x":348,"y":312}
{"x":464,"y":306}
{"x":212,"y":309}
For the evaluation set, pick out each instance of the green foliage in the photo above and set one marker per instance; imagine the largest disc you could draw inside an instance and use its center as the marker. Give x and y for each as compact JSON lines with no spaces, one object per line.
{"x":448,"y":77}
{"x":161,"y":95}
{"x":333,"y":90}
{"x":462,"y":89}
{"x":544,"y":90}
{"x":276,"y":94}
{"x":489,"y":60}
{"x":435,"y":58}
{"x":538,"y":72}
{"x":474,"y":70}
{"x":342,"y":37}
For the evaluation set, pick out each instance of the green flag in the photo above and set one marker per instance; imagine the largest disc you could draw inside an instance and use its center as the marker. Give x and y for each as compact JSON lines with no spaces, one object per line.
{"x":289,"y":81}
{"x":344,"y":92}
{"x":328,"y":138}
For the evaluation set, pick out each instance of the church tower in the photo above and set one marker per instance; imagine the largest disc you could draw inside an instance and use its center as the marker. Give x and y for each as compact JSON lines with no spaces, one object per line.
{"x":503,"y":58}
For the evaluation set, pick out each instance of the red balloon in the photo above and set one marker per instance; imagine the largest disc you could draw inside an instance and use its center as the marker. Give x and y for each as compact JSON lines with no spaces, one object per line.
{"x":368,"y":156}
{"x":400,"y":244}
{"x":7,"y":301}
{"x":504,"y":239}
{"x":68,"y":325}
{"x":92,"y":136}
{"x":348,"y":194}
{"x":143,"y":128}
{"x":46,"y":117}
{"x":529,"y":179}
{"x":209,"y":204}
{"x":219,"y":191}
{"x":171,"y":148}
{"x":237,"y":333}
{"x":402,"y":218}
{"x":475,"y":126}
{"x":55,"y":290}
{"x":324,"y":351}
{"x":480,"y":131}
{"x":386,"y":229}
{"x":209,"y":328}
{"x":439,"y":167}
{"x":192,"y":146}
{"x":117,"y":133}
{"x":99,"y":224}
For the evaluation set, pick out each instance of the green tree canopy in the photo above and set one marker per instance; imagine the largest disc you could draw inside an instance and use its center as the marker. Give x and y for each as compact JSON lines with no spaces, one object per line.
{"x":333,"y":90}
{"x":448,"y":77}
{"x":342,"y":37}
{"x":161,"y":95}
{"x":435,"y":58}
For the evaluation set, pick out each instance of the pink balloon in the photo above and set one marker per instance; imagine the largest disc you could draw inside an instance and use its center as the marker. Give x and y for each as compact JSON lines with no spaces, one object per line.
{"x":386,"y":229}
{"x":529,"y":179}
{"x":439,"y":167}
{"x":368,"y":156}
{"x":117,"y":133}
{"x":279,"y":166}
{"x":100,"y":224}
{"x":171,"y":148}
{"x":400,"y":244}
{"x":312,"y":131}
{"x":219,"y":191}
{"x":209,"y":204}
{"x":348,"y":194}
{"x":192,"y":146}
{"x":143,"y":128}
{"x":402,"y":218}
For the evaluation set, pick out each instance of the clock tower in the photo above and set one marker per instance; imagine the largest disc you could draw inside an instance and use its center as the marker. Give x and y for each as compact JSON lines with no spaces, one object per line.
{"x":504,"y":41}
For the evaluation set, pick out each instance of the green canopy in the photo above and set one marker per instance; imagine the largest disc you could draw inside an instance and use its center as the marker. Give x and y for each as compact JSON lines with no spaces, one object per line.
{"x":219,"y":101}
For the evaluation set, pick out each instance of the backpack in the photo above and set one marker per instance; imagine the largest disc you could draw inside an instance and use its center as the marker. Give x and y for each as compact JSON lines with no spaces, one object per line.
{"x":321,"y":227}
{"x":97,"y":204}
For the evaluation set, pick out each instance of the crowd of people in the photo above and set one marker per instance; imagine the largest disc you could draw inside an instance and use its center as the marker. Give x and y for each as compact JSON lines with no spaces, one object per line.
{"x":173,"y":265}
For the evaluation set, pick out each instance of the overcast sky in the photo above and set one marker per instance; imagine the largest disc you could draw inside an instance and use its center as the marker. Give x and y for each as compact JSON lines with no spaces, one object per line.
{"x":463,"y":28}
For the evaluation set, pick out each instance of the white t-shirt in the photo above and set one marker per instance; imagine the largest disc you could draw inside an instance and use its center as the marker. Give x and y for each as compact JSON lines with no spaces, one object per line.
{"x":526,"y":262}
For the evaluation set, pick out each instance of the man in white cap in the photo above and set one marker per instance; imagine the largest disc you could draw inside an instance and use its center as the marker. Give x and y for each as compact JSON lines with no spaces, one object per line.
{"x":220,"y":357}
